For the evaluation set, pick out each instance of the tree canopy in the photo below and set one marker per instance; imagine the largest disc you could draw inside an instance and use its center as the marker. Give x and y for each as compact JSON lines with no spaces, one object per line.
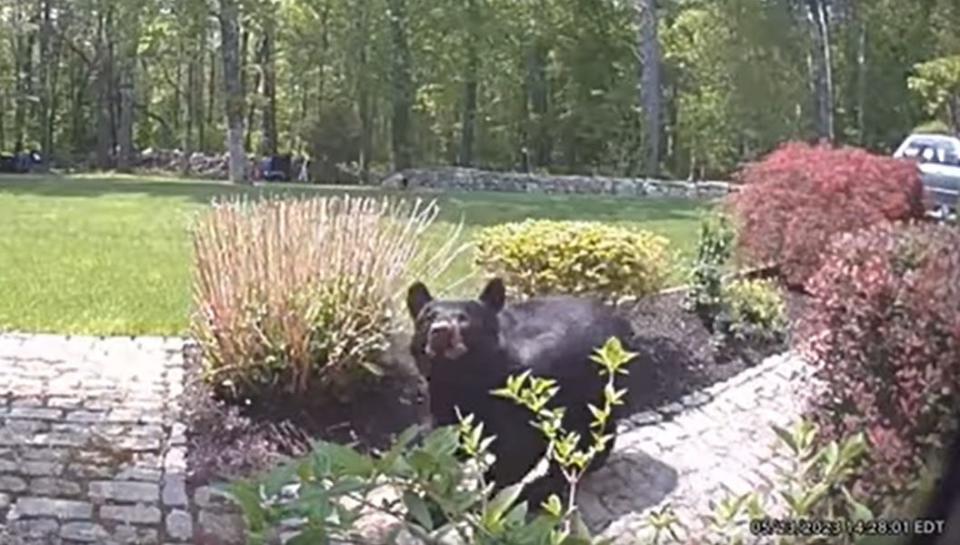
{"x":618,"y":87}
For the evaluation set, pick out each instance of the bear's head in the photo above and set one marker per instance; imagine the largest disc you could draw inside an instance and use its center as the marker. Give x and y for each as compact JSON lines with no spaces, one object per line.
{"x":455,"y":329}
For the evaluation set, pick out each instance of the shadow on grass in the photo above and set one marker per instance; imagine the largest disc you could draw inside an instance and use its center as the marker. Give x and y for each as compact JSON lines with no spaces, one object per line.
{"x":199,"y":191}
{"x":477,"y":209}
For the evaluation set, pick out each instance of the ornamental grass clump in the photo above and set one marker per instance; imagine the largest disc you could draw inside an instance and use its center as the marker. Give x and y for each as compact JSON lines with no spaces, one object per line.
{"x":294,"y":293}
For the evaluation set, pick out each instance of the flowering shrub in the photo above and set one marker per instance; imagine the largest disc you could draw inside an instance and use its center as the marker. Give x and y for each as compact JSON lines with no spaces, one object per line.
{"x":883,"y":330}
{"x":794,"y":201}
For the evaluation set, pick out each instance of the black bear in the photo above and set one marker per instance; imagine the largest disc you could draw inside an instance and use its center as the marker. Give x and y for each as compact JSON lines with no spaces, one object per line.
{"x":465,"y":349}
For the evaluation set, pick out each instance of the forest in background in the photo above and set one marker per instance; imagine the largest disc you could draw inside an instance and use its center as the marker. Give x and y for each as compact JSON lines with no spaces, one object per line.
{"x":669,"y":88}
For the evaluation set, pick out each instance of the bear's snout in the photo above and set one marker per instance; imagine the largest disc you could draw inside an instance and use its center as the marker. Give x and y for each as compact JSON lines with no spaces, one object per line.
{"x":444,"y":339}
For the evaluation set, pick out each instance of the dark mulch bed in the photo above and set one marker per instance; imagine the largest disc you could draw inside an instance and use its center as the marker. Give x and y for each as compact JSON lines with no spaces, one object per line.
{"x":678,"y":355}
{"x":677,"y":358}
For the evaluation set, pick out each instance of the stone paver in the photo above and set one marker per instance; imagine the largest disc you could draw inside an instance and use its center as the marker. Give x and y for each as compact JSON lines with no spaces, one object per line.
{"x":85,"y":426}
{"x":725,"y":444}
{"x":92,"y":449}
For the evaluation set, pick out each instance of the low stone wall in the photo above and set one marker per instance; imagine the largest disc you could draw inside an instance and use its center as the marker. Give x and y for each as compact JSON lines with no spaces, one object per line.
{"x":469,"y":179}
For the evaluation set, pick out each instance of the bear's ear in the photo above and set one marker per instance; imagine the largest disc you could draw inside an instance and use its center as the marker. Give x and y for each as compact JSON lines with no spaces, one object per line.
{"x":417,"y":297}
{"x":494,"y":295}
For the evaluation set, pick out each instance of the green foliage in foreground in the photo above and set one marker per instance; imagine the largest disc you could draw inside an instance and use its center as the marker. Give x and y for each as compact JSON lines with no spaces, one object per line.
{"x":427,"y":489}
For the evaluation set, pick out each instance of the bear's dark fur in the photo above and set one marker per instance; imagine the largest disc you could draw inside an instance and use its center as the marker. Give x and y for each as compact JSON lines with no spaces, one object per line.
{"x":465,"y":349}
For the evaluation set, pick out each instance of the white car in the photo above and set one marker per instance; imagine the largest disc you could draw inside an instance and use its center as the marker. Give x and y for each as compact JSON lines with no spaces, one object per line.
{"x":938,"y":158}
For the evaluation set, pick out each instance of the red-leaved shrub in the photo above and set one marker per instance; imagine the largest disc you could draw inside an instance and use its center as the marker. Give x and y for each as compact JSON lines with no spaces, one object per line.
{"x":883,"y":331}
{"x":797,"y":198}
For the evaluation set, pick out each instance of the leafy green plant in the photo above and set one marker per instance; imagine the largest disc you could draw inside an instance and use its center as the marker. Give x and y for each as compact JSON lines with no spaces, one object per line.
{"x":714,"y":249}
{"x":756,"y":307}
{"x":432,"y":489}
{"x":535,"y":393}
{"x":539,"y":257}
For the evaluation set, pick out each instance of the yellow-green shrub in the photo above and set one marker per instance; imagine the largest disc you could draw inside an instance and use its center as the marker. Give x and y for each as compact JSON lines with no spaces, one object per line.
{"x":539,"y":257}
{"x":294,"y":293}
{"x":757,"y":304}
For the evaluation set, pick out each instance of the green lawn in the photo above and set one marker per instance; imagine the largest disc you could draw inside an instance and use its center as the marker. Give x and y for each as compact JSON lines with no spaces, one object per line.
{"x":111,"y":254}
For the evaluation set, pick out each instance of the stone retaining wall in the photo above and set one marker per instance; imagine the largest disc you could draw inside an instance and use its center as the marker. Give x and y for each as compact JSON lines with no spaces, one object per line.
{"x":469,"y":179}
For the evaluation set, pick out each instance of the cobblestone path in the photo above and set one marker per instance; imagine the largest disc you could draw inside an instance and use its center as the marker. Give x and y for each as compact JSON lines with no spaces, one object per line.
{"x":91,"y":449}
{"x":726,"y":444}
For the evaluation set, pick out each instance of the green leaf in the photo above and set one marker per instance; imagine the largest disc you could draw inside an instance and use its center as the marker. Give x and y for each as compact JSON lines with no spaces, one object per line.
{"x":792,"y":501}
{"x":517,"y":515}
{"x":348,"y":461}
{"x":813,"y":496}
{"x":831,"y":457}
{"x":348,"y":486}
{"x":280,"y":477}
{"x":418,"y":509}
{"x":853,"y":449}
{"x":442,"y":441}
{"x":387,"y":462}
{"x":504,"y":500}
{"x":580,"y":529}
{"x":787,"y":438}
{"x":553,"y":506}
{"x":311,"y":536}
{"x":248,"y":497}
{"x":860,"y":511}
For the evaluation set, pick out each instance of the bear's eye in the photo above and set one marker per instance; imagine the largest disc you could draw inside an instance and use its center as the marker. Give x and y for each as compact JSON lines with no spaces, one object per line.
{"x":462,"y":319}
{"x":427,"y":316}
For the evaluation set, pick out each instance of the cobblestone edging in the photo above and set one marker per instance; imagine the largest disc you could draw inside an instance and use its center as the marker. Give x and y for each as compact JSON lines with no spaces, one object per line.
{"x":724,"y":445}
{"x":469,"y":179}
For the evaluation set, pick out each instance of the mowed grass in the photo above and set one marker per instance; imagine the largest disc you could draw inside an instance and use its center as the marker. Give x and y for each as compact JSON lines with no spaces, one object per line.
{"x":111,"y":255}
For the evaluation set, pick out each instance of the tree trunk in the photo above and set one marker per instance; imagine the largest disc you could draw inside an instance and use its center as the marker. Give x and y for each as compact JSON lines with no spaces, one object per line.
{"x":471,"y":74}
{"x":862,"y":81}
{"x":523,"y":127}
{"x":54,"y":93}
{"x":79,"y":85}
{"x":3,"y":127}
{"x":254,"y":90}
{"x":363,"y":88}
{"x":125,"y":132}
{"x":104,"y":83}
{"x":45,"y":96}
{"x":234,"y":105}
{"x":189,"y":115}
{"x":650,"y":93}
{"x":540,"y":103}
{"x":200,"y":108}
{"x":953,"y":111}
{"x":324,"y":50}
{"x":403,"y":91}
{"x":822,"y":71}
{"x":268,"y":135}
{"x":24,"y":86}
{"x":128,"y":78}
{"x":211,"y":93}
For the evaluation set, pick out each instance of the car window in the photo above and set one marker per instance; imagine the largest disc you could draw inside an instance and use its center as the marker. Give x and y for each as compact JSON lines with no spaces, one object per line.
{"x":932,"y":151}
